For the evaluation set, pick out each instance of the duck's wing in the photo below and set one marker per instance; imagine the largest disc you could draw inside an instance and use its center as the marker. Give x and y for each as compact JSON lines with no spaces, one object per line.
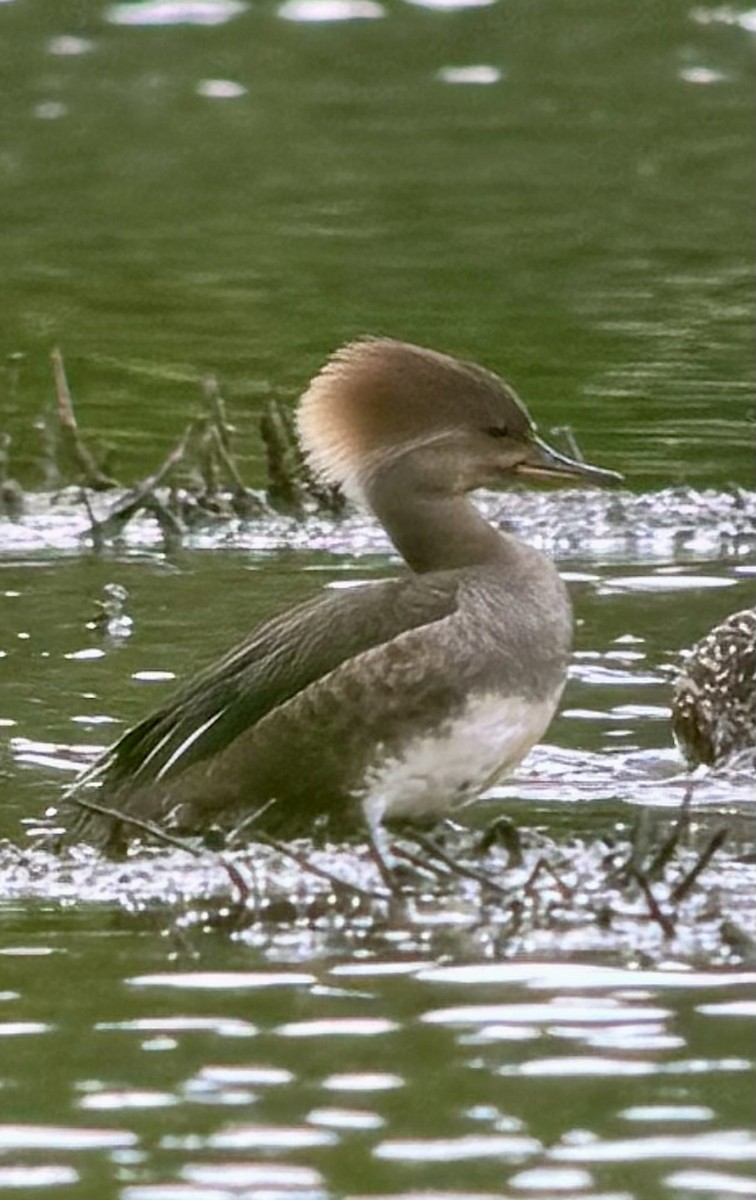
{"x":281,"y":658}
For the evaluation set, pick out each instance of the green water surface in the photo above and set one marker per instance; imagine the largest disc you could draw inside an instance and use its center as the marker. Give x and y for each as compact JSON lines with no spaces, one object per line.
{"x":560,"y":189}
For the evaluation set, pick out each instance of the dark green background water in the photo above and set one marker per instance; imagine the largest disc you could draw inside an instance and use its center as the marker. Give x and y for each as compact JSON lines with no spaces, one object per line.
{"x":575,"y":213}
{"x":582,"y":223}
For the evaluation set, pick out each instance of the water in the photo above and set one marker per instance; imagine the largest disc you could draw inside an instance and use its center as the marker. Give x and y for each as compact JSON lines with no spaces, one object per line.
{"x":171,"y":1080}
{"x":577,"y":216}
{"x":316,"y":1046}
{"x":562,"y":192}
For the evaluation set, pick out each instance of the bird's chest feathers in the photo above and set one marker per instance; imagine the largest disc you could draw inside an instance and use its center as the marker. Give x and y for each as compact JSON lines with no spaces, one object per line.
{"x":432,"y":771}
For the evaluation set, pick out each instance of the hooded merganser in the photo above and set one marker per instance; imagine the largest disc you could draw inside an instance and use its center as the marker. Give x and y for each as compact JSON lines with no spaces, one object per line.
{"x":714,"y":699}
{"x":398,"y":699}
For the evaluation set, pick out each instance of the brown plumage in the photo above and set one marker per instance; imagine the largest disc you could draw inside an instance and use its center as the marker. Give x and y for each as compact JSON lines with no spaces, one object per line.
{"x":399,"y":698}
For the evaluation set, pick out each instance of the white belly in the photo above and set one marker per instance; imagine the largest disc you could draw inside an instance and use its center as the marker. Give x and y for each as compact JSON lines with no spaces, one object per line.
{"x":465,"y":755}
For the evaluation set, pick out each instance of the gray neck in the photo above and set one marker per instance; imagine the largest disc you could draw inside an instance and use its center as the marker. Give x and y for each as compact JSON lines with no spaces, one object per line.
{"x":434,"y":531}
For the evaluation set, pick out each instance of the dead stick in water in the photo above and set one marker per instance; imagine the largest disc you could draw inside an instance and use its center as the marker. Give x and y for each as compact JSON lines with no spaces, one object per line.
{"x":143,"y":826}
{"x":139,"y":496}
{"x":686,"y":883}
{"x":217,"y":409}
{"x":167,"y":839}
{"x":661,"y":918}
{"x":242,"y":494}
{"x":320,"y":872}
{"x":673,"y":839}
{"x":72,"y":442}
{"x":465,"y":872}
{"x":283,"y":460}
{"x":544,"y":867}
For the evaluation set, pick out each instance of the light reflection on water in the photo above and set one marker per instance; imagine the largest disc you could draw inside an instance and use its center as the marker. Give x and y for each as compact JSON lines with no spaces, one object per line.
{"x":540,"y":1114}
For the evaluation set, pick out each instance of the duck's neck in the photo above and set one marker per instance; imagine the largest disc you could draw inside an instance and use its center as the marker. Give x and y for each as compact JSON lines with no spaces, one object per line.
{"x":435,"y":531}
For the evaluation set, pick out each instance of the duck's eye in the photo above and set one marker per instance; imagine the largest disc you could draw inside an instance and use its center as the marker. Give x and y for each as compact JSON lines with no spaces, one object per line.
{"x":497,"y":431}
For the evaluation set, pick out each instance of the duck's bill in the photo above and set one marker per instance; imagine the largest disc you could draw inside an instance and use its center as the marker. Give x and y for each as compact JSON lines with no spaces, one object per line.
{"x":544,"y":463}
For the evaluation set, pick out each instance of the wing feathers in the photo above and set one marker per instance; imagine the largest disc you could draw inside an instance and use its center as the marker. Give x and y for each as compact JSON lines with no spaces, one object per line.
{"x":281,"y":659}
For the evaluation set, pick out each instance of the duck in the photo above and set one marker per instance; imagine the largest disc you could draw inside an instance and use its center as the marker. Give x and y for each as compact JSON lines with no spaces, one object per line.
{"x":714,"y":695}
{"x":398,"y":700}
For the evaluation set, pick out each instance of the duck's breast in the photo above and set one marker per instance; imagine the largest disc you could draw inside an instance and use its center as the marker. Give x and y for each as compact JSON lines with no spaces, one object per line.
{"x":434,"y":771}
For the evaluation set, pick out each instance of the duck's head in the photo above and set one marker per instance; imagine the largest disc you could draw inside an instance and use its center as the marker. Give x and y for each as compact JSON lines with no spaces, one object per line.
{"x":449,"y":426}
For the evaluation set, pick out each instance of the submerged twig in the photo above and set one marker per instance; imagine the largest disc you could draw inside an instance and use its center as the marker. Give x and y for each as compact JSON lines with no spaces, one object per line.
{"x":431,"y":847}
{"x":716,"y":841}
{"x":171,"y":526}
{"x":168,"y":839}
{"x":248,"y":821}
{"x":435,"y":870}
{"x":314,"y":869}
{"x":544,"y":867}
{"x":160,"y":835}
{"x":640,"y":845}
{"x":671,"y":843}
{"x":666,"y":923}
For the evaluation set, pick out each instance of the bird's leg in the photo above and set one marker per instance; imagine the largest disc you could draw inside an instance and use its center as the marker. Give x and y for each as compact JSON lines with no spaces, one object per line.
{"x":374,"y":809}
{"x":380,"y":852}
